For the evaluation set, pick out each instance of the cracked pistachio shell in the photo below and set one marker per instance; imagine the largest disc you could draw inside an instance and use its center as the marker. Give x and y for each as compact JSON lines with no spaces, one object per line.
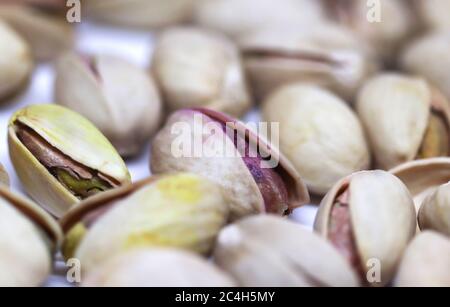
{"x":381,"y":220}
{"x":4,"y":177}
{"x":233,"y":17}
{"x":268,"y":251}
{"x":120,"y":98}
{"x":16,"y":64}
{"x":434,"y":13}
{"x":325,"y":55}
{"x":139,"y":13}
{"x":181,"y":210}
{"x":28,"y":239}
{"x":319,"y":133}
{"x":74,"y":139}
{"x":395,"y":110}
{"x":426,"y":262}
{"x":158,"y":268}
{"x":198,"y":68}
{"x":47,"y":35}
{"x":224,"y":162}
{"x":434,"y":213}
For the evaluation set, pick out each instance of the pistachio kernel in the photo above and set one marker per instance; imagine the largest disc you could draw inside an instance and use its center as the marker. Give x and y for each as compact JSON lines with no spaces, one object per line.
{"x":436,"y":139}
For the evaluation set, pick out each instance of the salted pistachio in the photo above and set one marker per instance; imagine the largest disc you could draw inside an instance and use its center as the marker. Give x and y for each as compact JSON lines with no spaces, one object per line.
{"x":28,"y":239}
{"x":434,"y":213}
{"x":237,"y":17}
{"x":319,"y":133}
{"x":4,"y":177}
{"x":47,"y":35}
{"x":368,"y":216}
{"x":181,"y":211}
{"x":255,"y":176}
{"x":434,"y":13}
{"x":326,"y":55}
{"x":139,"y":13}
{"x":16,"y":64}
{"x":157,"y":267}
{"x":426,"y":262}
{"x":429,"y":57}
{"x":198,"y":68}
{"x":61,"y":158}
{"x":268,"y":251}
{"x":120,"y":98}
{"x":405,"y":119}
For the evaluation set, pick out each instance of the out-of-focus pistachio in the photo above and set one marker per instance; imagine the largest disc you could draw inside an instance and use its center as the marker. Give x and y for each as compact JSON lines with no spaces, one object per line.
{"x":61,"y":158}
{"x":4,"y":177}
{"x":435,"y":211}
{"x":434,"y":13}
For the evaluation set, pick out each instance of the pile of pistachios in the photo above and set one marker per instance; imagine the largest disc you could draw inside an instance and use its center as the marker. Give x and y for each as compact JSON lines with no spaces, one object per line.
{"x":361,"y":96}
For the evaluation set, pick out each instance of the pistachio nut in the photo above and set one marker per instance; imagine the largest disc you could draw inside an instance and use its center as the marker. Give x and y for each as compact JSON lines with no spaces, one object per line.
{"x":198,"y":68}
{"x":158,"y":268}
{"x":126,"y":101}
{"x":48,"y":35}
{"x":51,"y":5}
{"x":429,"y":57}
{"x":28,"y":239}
{"x":268,"y":251}
{"x":61,"y":158}
{"x":405,"y":119}
{"x":4,"y":177}
{"x":319,"y":133}
{"x":237,"y":17}
{"x":434,"y":13}
{"x":182,"y":211}
{"x":139,"y":13}
{"x":426,"y":262}
{"x":255,"y":176}
{"x":326,"y":55}
{"x":16,"y":64}
{"x":434,"y":213}
{"x":369,"y":216}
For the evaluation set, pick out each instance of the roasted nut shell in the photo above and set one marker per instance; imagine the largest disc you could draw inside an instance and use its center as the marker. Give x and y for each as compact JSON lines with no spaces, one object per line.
{"x":434,"y":213}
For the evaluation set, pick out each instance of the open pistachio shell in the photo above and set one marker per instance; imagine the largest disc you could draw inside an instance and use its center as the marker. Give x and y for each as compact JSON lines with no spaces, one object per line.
{"x":319,"y":133}
{"x":435,"y":211}
{"x":120,"y":98}
{"x":434,"y":13}
{"x":4,"y":177}
{"x":28,"y":239}
{"x":229,"y":154}
{"x":157,"y":268}
{"x":426,"y":262}
{"x":368,"y":215}
{"x":182,"y":211}
{"x":268,"y":251}
{"x":61,"y":158}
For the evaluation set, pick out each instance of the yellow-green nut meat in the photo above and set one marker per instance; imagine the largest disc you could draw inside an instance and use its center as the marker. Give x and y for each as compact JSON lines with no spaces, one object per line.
{"x":182,"y":211}
{"x":61,"y":158}
{"x":28,"y":238}
{"x":434,"y":214}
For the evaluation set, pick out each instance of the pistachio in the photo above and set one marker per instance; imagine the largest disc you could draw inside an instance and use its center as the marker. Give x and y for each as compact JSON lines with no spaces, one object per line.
{"x":368,"y":215}
{"x":47,"y":35}
{"x":28,"y":239}
{"x":197,"y":68}
{"x":426,"y":262}
{"x":267,"y":251}
{"x":61,"y":158}
{"x":157,"y":268}
{"x":434,"y":13}
{"x":4,"y":177}
{"x":233,"y":157}
{"x":326,"y":55}
{"x":139,"y":13}
{"x":182,"y":211}
{"x":17,"y":63}
{"x":434,"y":213}
{"x":126,"y":101}
{"x":405,"y":119}
{"x":319,"y":133}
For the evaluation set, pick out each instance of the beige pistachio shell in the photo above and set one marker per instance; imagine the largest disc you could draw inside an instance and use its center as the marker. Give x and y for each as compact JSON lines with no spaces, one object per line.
{"x":16,"y":64}
{"x":47,"y":35}
{"x":220,"y":161}
{"x":434,"y":13}
{"x":120,"y":98}
{"x":426,"y":262}
{"x":197,"y":68}
{"x":382,"y":218}
{"x":157,"y":268}
{"x":4,"y":177}
{"x":269,"y":251}
{"x":434,"y":213}
{"x":28,"y":239}
{"x":73,"y":136}
{"x":182,"y":211}
{"x":319,"y":133}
